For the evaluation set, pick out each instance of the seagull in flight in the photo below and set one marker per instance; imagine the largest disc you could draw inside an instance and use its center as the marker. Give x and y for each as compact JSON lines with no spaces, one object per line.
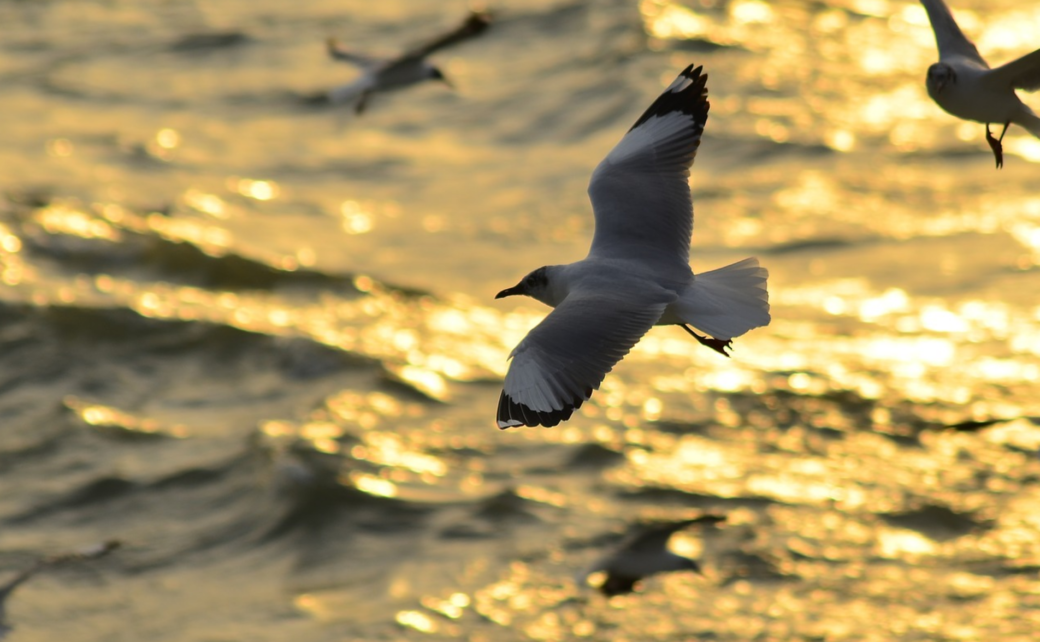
{"x":411,"y":67}
{"x":965,"y":86}
{"x":644,"y":553}
{"x":637,"y":273}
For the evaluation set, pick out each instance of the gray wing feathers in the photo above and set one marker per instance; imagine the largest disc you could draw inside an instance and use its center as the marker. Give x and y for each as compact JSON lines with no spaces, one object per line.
{"x":626,"y":204}
{"x":656,"y":536}
{"x":1023,"y":73}
{"x":475,"y":24}
{"x":640,"y":193}
{"x":948,"y":36}
{"x":652,"y":539}
{"x":567,"y":355}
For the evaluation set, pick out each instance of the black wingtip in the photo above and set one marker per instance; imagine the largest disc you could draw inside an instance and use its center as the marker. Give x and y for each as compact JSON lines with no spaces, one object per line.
{"x":512,"y":414}
{"x":681,"y":96}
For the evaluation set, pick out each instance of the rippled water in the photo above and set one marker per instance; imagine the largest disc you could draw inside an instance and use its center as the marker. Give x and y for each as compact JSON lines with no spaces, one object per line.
{"x":253,"y":337}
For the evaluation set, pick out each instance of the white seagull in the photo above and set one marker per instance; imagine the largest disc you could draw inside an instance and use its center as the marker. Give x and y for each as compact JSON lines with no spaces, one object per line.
{"x":642,"y":554}
{"x":379,"y":74}
{"x":964,"y":85}
{"x":637,"y":274}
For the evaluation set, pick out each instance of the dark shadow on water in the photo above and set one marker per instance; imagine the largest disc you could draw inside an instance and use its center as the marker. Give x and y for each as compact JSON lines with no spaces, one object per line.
{"x":205,"y":43}
{"x":938,"y":523}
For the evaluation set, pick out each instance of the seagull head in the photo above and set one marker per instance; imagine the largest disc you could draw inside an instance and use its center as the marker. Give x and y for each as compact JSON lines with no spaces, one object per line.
{"x":535,"y":285}
{"x":939,"y":75}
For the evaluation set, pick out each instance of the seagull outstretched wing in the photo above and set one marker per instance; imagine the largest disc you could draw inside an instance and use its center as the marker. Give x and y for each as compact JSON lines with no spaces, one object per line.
{"x":948,"y":36}
{"x":640,"y":192}
{"x":1023,"y":73}
{"x":655,"y":537}
{"x":565,"y":357}
{"x":475,"y":24}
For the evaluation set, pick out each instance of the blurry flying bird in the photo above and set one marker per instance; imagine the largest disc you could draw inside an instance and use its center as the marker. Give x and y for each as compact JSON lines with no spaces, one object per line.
{"x":964,"y":85}
{"x":637,"y":273}
{"x":644,"y":553}
{"x":411,"y":67}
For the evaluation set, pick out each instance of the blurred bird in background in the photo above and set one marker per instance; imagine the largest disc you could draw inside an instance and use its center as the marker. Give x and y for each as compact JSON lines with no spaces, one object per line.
{"x":963,"y":84}
{"x":388,"y":74}
{"x":642,"y":554}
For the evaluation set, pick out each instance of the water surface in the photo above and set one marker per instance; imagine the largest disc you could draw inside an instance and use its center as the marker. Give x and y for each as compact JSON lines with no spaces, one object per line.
{"x":254,"y":338}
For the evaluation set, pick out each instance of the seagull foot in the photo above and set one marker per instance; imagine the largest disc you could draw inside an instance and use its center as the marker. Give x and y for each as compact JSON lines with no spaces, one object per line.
{"x":718,"y":345}
{"x":996,"y":146}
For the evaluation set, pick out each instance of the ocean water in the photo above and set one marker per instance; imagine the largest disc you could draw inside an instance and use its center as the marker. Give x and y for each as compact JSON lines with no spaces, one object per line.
{"x":253,"y":337}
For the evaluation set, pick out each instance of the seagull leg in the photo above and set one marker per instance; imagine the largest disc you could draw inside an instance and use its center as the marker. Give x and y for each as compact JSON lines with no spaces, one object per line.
{"x":994,"y":144}
{"x":718,"y":345}
{"x":1001,"y":140}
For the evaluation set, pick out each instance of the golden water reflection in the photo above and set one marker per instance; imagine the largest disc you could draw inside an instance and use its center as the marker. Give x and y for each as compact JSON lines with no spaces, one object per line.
{"x":119,"y":421}
{"x":874,"y":449}
{"x":427,"y":343}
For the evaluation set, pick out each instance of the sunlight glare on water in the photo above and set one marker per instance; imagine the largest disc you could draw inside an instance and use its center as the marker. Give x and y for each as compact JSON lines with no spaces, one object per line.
{"x":255,"y":336}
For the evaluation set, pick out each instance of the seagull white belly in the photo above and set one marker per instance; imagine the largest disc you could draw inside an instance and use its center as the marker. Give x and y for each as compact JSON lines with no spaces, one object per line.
{"x":966,"y":100}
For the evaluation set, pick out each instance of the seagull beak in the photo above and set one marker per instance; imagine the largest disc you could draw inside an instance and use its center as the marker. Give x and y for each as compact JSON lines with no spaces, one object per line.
{"x":516,"y":289}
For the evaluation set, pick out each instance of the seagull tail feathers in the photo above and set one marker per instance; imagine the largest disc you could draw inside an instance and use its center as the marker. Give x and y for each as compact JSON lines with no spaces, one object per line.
{"x":1030,"y":121}
{"x":727,"y":302}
